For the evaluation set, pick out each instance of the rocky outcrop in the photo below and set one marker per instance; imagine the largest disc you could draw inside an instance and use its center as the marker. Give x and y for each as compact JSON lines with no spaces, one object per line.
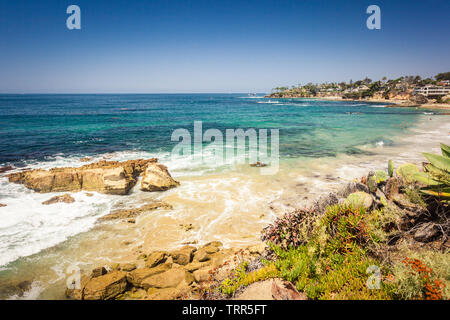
{"x":131,"y":213}
{"x":157,"y":178}
{"x":109,"y":177}
{"x":100,"y":286}
{"x":64,"y":199}
{"x":164,"y":276}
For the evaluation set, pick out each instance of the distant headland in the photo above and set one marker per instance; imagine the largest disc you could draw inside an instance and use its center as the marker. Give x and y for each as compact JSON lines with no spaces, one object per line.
{"x":407,"y":91}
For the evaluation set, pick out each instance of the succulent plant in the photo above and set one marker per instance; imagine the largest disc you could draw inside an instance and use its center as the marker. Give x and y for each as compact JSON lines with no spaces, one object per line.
{"x":372,"y":182}
{"x":437,"y":174}
{"x":391,"y":168}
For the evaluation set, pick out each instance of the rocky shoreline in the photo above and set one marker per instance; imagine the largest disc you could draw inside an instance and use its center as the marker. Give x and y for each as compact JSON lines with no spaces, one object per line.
{"x":211,"y":271}
{"x":108,"y":177}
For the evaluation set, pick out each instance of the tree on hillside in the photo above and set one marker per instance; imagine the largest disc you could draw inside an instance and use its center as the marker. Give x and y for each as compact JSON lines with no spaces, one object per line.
{"x":443,"y":76}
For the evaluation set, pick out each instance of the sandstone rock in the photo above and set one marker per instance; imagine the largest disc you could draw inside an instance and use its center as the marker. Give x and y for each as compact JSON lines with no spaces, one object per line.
{"x":210,"y":249}
{"x":133,"y":294}
{"x":201,"y":256}
{"x":106,"y":286}
{"x":163,"y":294}
{"x":191,"y":267}
{"x":127,"y":267}
{"x":110,"y":177}
{"x":285,"y":290}
{"x":157,"y":178}
{"x":184,"y":255}
{"x":427,"y":232}
{"x":202,"y":275}
{"x":97,"y":272}
{"x":360,"y":199}
{"x":392,"y":187}
{"x":131,"y":213}
{"x":217,"y":244}
{"x":156,"y":258}
{"x":64,"y":198}
{"x":137,"y":276}
{"x":324,"y":201}
{"x":169,"y":279}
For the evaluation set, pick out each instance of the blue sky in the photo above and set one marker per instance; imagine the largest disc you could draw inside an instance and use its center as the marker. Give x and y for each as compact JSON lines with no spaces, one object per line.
{"x":214,"y":46}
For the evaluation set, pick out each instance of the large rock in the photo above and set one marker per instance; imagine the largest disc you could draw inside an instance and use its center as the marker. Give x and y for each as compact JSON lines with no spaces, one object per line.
{"x":110,"y":177}
{"x":156,"y":258}
{"x":360,"y":199}
{"x":170,"y":279}
{"x":66,"y":198}
{"x":392,"y":187}
{"x":105,"y":287}
{"x":137,"y":276}
{"x":184,"y":255}
{"x":157,"y":178}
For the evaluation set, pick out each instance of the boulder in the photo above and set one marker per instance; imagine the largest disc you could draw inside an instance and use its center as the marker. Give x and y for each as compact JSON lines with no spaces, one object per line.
{"x":392,"y":187}
{"x":105,"y":287}
{"x":184,"y":255}
{"x":127,"y":267}
{"x":324,"y":201}
{"x":194,"y":266}
{"x":157,"y":178}
{"x":109,"y":177}
{"x":97,"y":272}
{"x":202,"y":275}
{"x":137,"y":276}
{"x":427,"y":232}
{"x":2,"y":205}
{"x":156,"y":258}
{"x":201,"y":256}
{"x":170,"y":279}
{"x":64,"y":198}
{"x":360,"y":199}
{"x":163,"y":294}
{"x":285,"y":290}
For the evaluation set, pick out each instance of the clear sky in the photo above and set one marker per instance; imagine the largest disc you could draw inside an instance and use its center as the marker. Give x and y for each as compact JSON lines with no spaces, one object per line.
{"x":151,"y":46}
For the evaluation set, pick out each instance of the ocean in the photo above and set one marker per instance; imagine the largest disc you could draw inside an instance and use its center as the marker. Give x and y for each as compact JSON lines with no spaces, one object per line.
{"x":321,"y":143}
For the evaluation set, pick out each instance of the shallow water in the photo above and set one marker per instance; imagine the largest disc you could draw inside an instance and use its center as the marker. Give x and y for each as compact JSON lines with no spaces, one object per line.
{"x":322,"y":144}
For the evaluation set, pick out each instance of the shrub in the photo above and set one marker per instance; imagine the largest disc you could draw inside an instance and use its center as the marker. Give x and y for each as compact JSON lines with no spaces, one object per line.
{"x":293,"y":229}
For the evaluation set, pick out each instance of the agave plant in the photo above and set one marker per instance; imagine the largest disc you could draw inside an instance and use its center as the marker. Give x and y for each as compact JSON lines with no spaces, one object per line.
{"x":436,"y":175}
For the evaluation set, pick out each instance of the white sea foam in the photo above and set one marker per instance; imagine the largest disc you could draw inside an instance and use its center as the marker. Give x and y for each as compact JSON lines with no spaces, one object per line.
{"x":27,"y":226}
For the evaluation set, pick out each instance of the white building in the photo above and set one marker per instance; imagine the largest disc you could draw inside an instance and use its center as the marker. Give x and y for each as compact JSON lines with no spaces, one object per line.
{"x":430,"y":90}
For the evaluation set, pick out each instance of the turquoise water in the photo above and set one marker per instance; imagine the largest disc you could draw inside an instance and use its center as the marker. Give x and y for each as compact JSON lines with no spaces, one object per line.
{"x":39,"y":127}
{"x":38,"y":242}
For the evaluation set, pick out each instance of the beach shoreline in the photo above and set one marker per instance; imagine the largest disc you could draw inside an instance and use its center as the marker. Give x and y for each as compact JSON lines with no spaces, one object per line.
{"x":295,"y":181}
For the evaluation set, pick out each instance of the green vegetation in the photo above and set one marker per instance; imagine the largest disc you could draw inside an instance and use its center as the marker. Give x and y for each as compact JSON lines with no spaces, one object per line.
{"x":361,"y":248}
{"x":437,"y":174}
{"x":361,"y":89}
